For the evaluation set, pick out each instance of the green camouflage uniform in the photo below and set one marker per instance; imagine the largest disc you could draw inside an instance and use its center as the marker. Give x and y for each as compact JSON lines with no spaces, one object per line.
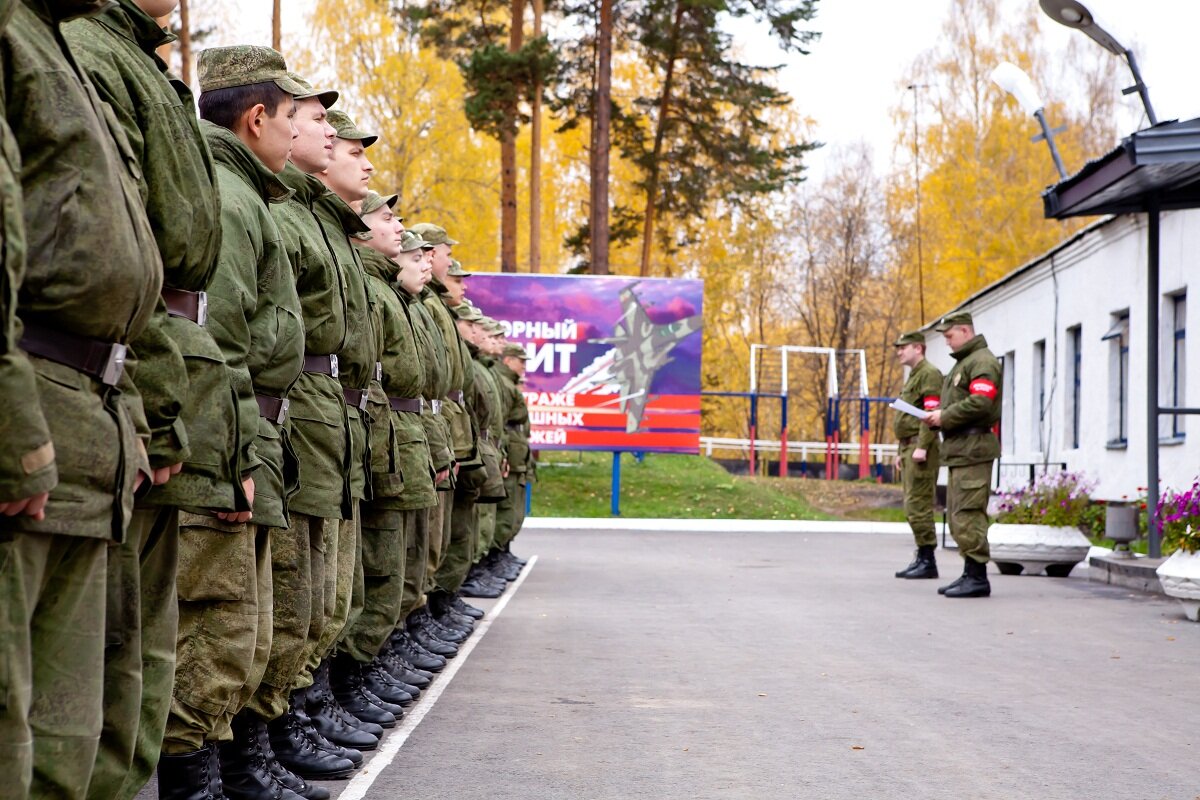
{"x":495,"y":443}
{"x":923,"y":390}
{"x":970,"y":408}
{"x":224,"y":583}
{"x":184,"y":385}
{"x":356,"y":365}
{"x":510,"y":512}
{"x":92,"y":271}
{"x":402,"y":469}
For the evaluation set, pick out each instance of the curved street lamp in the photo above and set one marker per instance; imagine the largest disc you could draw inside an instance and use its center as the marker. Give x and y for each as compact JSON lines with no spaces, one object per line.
{"x":1075,"y":15}
{"x":1013,"y":80}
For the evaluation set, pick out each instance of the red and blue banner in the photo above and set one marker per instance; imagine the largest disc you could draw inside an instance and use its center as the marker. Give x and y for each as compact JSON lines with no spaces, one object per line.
{"x":614,"y":362}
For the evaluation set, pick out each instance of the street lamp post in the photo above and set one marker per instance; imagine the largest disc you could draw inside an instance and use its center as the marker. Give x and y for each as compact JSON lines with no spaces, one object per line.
{"x":1075,"y":15}
{"x":1013,"y":80}
{"x":915,"y":88}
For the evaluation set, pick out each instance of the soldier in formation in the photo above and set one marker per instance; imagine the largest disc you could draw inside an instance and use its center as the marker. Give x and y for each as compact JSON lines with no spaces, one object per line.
{"x":242,"y":492}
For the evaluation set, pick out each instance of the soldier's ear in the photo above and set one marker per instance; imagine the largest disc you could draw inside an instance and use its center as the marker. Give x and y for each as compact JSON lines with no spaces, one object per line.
{"x":254,"y":120}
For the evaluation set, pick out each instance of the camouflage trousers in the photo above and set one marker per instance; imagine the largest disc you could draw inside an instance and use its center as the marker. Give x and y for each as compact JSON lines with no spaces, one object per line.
{"x":460,"y":551}
{"x":510,"y":512}
{"x":966,"y":505}
{"x":385,"y":536}
{"x":298,"y":583}
{"x":487,"y":530}
{"x":416,"y":560}
{"x":348,"y":589}
{"x":439,"y":537}
{"x":919,"y":479}
{"x":141,"y":623}
{"x":51,"y":661}
{"x":225,"y":594}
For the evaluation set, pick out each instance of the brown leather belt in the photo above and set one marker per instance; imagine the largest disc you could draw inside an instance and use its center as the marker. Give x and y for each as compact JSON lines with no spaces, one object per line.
{"x":905,"y":441}
{"x":456,"y":396}
{"x":410,"y":404}
{"x":957,"y":432}
{"x":274,"y":409}
{"x":189,"y":305}
{"x":326,"y":365}
{"x":104,"y":361}
{"x":355,"y":398}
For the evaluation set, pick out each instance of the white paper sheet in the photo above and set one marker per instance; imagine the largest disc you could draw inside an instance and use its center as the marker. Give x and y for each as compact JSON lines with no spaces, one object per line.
{"x":909,"y":408}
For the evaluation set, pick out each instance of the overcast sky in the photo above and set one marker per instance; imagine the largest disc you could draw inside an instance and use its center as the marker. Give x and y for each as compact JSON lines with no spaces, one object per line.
{"x":856,"y":73}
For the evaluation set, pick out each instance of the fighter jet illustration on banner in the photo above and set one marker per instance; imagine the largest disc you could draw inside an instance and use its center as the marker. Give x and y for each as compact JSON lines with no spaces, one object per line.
{"x":640,"y":349}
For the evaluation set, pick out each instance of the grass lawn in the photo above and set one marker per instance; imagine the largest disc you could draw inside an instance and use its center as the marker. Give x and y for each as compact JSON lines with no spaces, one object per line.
{"x":572,"y":484}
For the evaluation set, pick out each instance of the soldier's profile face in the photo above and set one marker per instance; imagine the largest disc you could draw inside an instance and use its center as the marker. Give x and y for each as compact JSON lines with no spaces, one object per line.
{"x":957,"y":336}
{"x":276,"y":135}
{"x":457,"y":288}
{"x":412,"y":271}
{"x":313,"y":149}
{"x":384,"y":234}
{"x":439,"y":258}
{"x":517,"y":365}
{"x":349,"y":171}
{"x":909,"y":354}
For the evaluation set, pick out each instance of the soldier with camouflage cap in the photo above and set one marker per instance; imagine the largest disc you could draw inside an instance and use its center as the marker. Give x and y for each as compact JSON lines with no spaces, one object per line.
{"x":90,"y":285}
{"x":970,"y":409}
{"x":181,"y":376}
{"x":918,"y":456}
{"x":510,"y":512}
{"x":224,"y":586}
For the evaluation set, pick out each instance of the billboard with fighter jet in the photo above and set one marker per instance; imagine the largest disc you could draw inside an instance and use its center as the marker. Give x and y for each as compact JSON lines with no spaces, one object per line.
{"x":614,"y":362}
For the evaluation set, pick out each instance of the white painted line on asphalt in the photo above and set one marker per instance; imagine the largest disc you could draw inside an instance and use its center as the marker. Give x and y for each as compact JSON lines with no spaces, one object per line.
{"x":633,"y":525}
{"x":361,"y":783}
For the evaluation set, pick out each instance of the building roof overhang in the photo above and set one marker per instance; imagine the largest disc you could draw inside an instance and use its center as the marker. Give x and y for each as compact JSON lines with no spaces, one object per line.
{"x":1159,"y":166}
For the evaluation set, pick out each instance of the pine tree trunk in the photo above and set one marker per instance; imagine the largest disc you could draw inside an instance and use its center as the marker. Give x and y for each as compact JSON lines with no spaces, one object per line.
{"x":660,"y":130}
{"x":508,"y":157}
{"x":185,"y":43}
{"x":535,"y":160}
{"x":601,"y":139}
{"x":277,"y":27}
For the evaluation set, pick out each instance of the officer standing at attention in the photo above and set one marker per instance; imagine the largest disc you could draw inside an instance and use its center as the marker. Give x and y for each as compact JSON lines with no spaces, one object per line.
{"x":510,"y":513}
{"x":970,"y":409}
{"x":180,"y":375}
{"x":918,"y":456}
{"x":224,"y":583}
{"x":91,"y":282}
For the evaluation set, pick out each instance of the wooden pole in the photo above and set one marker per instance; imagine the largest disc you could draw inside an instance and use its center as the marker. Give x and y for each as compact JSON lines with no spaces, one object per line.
{"x":535,"y":159}
{"x":185,"y":43}
{"x":277,"y":26}
{"x":603,"y":122}
{"x":508,"y":157}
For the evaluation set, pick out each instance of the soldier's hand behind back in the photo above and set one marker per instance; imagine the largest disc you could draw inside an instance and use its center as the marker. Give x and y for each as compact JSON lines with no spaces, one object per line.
{"x":34,"y":506}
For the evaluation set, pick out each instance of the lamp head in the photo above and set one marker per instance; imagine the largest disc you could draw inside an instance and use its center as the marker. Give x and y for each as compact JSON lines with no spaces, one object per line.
{"x":1074,"y":14}
{"x":1013,"y":80}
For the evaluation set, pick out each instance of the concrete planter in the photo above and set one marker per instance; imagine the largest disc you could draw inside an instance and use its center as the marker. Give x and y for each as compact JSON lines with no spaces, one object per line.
{"x":1031,"y":549}
{"x":1180,"y":578}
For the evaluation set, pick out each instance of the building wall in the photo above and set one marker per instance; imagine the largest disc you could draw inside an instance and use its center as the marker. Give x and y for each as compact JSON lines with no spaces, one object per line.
{"x":1085,"y":284}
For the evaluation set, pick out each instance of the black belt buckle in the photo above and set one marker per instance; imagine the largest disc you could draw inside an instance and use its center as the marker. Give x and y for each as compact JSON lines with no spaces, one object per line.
{"x":114,"y":366}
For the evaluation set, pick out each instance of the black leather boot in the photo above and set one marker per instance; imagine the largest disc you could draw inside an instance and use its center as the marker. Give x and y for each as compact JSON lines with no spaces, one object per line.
{"x":407,"y":648}
{"x":510,"y":554}
{"x":422,"y":636}
{"x":404,"y":672}
{"x":346,"y":680}
{"x":474,"y":587}
{"x":441,"y":631}
{"x":463,"y":607}
{"x":379,"y":682}
{"x":923,"y":566}
{"x":289,"y":779}
{"x":498,"y":565}
{"x":245,"y":763}
{"x":186,"y":776}
{"x":296,"y":750}
{"x":974,"y":582}
{"x":332,"y":721}
{"x":323,"y":745}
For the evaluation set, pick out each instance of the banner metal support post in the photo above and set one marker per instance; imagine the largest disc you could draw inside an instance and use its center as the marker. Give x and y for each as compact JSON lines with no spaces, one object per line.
{"x":616,"y":484}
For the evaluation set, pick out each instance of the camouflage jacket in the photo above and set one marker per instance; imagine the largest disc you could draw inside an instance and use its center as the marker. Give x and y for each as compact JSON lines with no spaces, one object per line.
{"x":971,"y":406}
{"x":516,"y":420}
{"x":437,"y":381}
{"x":181,"y":374}
{"x":459,"y":359}
{"x":91,"y":269}
{"x":317,"y":420}
{"x":398,"y":443}
{"x":923,"y":389}
{"x":357,"y":357}
{"x":255,"y":315}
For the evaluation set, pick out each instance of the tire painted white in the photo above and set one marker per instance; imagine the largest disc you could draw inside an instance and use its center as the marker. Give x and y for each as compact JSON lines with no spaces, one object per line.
{"x":1036,"y":547}
{"x":1180,"y":578}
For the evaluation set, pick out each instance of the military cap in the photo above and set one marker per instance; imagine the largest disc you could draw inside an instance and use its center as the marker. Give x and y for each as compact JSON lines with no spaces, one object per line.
{"x":956,"y":318}
{"x":433,"y":233}
{"x":512,"y":350}
{"x":912,"y":337}
{"x":243,"y":65}
{"x":456,"y":268}
{"x":468,"y":312}
{"x":493,"y":327}
{"x":346,"y":129}
{"x":410,"y":241}
{"x":375,"y":201}
{"x":327,"y":96}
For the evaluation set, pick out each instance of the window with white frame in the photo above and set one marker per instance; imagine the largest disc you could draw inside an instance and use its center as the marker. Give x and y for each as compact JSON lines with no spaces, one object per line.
{"x":1118,"y":379}
{"x":1074,"y":393}
{"x":1037,"y":416}
{"x":1178,"y":345}
{"x":1008,"y":408}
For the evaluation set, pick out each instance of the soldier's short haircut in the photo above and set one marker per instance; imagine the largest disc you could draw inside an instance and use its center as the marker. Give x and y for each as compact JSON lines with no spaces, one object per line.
{"x":225,"y":106}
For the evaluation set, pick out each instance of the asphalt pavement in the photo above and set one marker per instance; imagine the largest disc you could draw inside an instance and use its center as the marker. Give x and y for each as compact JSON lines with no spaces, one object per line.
{"x":718,"y":666}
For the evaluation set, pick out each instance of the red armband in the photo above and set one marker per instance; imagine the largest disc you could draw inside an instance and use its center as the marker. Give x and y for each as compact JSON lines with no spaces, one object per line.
{"x":931,"y":402}
{"x":984,"y":387}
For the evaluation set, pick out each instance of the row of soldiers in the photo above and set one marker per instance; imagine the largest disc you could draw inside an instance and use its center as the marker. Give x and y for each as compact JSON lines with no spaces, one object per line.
{"x":257,"y":445}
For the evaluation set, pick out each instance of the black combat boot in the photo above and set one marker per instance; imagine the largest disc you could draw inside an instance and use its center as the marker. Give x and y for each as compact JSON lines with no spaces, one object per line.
{"x":346,"y":680}
{"x":476,"y":586}
{"x":379,"y":682}
{"x":287,"y":778}
{"x":187,"y":776}
{"x":444,"y":632}
{"x":332,"y":721}
{"x":422,"y":636}
{"x":443,"y":610}
{"x":498,"y":565}
{"x":296,"y":749}
{"x":924,"y":565}
{"x":407,"y":648}
{"x":973,"y":583}
{"x":463,"y":607}
{"x":404,"y":672}
{"x":299,"y":701}
{"x":246,"y":763}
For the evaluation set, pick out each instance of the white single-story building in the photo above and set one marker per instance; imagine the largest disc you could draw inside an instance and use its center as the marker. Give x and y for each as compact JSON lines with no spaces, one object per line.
{"x":1070,"y":329}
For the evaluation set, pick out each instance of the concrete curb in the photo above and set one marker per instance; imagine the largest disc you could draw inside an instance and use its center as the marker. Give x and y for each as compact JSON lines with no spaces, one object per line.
{"x":622,"y":525}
